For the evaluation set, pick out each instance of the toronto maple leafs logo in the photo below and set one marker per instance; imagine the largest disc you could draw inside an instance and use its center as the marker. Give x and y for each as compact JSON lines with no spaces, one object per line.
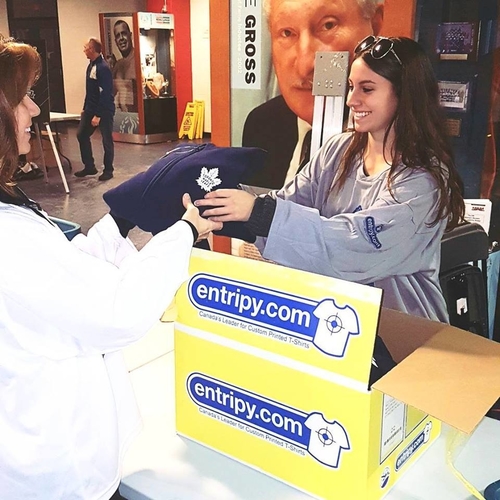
{"x":208,"y":179}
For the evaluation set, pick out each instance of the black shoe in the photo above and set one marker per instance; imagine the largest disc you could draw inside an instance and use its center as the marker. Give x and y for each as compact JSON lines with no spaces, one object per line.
{"x":20,"y":176}
{"x":85,"y":171}
{"x":105,"y":176}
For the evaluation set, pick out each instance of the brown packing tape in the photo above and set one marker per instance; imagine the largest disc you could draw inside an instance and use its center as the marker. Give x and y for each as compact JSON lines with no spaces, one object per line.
{"x":454,"y":376}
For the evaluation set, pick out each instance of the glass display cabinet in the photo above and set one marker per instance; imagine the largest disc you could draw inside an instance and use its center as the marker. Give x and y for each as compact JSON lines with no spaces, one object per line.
{"x":139,"y":48}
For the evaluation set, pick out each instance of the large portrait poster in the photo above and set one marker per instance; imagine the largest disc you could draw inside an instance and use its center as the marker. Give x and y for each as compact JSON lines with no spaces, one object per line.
{"x":272,"y":51}
{"x":119,"y":52}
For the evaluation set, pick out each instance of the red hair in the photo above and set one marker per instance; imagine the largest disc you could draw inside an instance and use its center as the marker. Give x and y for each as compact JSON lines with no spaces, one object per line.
{"x":20,"y":67}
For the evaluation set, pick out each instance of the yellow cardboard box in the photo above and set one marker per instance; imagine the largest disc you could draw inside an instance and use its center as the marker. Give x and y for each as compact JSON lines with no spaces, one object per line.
{"x":272,"y":369}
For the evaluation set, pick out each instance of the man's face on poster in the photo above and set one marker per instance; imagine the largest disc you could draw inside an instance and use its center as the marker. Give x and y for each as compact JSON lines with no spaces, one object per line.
{"x":123,"y":38}
{"x":300,"y":28}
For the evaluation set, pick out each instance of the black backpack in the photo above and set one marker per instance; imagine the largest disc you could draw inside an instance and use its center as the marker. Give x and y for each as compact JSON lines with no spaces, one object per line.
{"x":463,"y":280}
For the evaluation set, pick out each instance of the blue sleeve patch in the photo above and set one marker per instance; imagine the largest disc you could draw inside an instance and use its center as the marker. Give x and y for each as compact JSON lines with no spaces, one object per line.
{"x":358,"y":209}
{"x":371,"y":232}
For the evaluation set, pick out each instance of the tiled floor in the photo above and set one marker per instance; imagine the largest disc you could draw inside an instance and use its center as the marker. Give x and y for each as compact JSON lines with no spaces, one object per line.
{"x":84,"y":204}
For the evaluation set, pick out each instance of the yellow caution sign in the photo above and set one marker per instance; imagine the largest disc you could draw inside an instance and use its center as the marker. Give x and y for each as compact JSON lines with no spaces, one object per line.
{"x":188,"y":124}
{"x":193,"y":121}
{"x":200,"y":118}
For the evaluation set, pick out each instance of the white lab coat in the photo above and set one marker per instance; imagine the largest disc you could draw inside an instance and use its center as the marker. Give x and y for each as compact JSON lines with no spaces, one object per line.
{"x":67,"y":412}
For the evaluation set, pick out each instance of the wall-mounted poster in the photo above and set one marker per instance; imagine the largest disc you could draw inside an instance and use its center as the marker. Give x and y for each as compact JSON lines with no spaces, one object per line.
{"x":453,"y":95}
{"x":119,"y":51}
{"x":273,"y":44}
{"x":453,"y":127}
{"x":456,"y":41}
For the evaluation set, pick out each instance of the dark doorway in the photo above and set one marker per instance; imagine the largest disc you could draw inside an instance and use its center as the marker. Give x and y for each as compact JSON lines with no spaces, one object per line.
{"x":31,"y":20}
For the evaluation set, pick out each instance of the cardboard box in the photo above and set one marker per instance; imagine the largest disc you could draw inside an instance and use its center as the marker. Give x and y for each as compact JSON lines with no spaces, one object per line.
{"x":272,"y":369}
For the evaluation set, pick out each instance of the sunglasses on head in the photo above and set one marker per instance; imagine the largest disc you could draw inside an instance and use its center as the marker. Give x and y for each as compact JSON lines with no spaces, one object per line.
{"x":380,"y":47}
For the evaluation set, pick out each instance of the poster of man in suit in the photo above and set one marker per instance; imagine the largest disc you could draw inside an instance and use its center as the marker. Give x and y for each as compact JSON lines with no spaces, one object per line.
{"x":273,"y":46}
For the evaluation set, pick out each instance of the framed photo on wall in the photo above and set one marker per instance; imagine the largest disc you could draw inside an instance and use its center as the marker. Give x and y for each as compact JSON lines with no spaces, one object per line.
{"x":119,"y":51}
{"x":454,"y":95}
{"x":456,"y":41}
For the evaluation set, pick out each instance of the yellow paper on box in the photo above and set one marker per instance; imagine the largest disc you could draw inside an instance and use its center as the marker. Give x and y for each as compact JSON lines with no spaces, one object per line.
{"x":288,"y":425}
{"x":307,"y":317}
{"x":272,"y":368}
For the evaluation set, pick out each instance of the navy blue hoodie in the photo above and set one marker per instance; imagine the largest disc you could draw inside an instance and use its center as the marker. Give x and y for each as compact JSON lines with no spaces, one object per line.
{"x":99,"y":88}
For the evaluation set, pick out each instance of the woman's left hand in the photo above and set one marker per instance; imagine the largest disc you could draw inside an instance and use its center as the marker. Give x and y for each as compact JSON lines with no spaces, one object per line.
{"x":227,"y":205}
{"x":202,"y":225}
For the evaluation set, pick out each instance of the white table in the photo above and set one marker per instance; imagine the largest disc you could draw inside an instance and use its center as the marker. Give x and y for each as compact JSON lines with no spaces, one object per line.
{"x":163,"y":466}
{"x":55,"y":118}
{"x":64,"y":117}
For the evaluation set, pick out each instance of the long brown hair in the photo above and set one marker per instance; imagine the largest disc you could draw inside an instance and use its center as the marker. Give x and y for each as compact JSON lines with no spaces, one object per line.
{"x":20,"y":67}
{"x":420,"y":138}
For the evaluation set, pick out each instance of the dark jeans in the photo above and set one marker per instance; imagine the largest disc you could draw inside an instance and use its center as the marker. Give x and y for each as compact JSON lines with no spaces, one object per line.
{"x":85,"y":130}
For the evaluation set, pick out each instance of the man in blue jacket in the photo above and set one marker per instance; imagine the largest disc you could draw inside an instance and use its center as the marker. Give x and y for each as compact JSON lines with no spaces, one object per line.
{"x":98,"y":111}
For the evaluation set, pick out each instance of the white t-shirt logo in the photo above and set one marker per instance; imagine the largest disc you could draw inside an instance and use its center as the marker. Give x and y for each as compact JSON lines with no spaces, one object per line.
{"x":208,"y":179}
{"x":327,"y":439}
{"x":334,"y":327}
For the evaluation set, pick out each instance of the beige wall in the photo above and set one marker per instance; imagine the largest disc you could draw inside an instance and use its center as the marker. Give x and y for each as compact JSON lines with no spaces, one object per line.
{"x":200,"y":56}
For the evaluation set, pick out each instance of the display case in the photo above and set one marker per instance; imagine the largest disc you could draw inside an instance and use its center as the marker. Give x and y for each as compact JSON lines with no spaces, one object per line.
{"x":139,"y":48}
